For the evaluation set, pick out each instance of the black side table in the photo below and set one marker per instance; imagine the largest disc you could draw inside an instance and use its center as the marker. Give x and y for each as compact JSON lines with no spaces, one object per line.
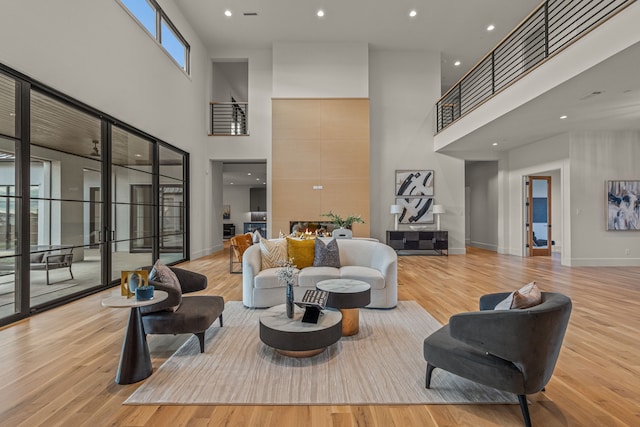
{"x":135,"y":361}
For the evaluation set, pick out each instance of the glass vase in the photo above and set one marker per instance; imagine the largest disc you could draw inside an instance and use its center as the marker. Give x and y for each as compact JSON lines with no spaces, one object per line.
{"x":290,"y":300}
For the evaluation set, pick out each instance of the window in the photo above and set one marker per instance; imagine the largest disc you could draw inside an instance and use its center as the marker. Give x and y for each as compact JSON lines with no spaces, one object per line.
{"x":145,"y":13}
{"x":171,"y":42}
{"x":151,"y":16}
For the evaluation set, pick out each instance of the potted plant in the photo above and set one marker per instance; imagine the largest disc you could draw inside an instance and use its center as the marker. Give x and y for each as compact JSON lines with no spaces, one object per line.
{"x":347,"y":222}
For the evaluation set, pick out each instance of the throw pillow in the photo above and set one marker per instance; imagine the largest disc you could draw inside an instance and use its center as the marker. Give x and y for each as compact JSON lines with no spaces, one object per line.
{"x":163,"y":274}
{"x":327,"y":255}
{"x":527,"y":296}
{"x":273,"y":253}
{"x":302,"y":251}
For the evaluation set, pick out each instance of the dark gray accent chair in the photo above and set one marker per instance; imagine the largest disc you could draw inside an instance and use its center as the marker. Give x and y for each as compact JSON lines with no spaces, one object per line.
{"x":511,"y":350}
{"x":195,"y":314}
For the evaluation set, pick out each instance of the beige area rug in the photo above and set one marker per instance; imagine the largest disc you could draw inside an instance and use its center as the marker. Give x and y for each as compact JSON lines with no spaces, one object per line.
{"x":383,"y":364}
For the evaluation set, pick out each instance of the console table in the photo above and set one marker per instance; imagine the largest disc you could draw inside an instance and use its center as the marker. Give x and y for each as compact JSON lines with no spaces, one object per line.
{"x":419,"y":242}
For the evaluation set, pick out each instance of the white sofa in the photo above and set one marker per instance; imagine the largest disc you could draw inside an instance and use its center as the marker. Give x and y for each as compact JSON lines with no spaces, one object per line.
{"x":366,"y":260}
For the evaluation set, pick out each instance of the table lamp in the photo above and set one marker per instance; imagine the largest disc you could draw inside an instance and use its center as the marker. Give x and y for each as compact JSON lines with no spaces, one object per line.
{"x":395,"y":210}
{"x":437,"y":210}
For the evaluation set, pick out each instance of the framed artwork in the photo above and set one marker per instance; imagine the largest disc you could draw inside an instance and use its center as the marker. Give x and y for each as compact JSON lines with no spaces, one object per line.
{"x":623,"y":205}
{"x":414,"y":183}
{"x":226,"y":211}
{"x":132,"y":280}
{"x":416,"y":210}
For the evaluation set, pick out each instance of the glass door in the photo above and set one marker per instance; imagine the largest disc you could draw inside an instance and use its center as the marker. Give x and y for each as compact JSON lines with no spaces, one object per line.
{"x":65,"y":170}
{"x":81,"y":199}
{"x":539,"y":216}
{"x":132,"y":219}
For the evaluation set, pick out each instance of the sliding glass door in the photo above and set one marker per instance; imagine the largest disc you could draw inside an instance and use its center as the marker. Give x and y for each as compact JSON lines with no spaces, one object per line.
{"x":82,"y":197}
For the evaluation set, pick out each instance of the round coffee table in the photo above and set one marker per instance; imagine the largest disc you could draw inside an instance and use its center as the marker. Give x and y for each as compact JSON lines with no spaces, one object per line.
{"x":294,"y":338}
{"x":347,"y":295}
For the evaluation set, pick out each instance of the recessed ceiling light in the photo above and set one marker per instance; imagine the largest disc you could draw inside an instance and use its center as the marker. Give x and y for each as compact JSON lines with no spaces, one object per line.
{"x":413,"y":13}
{"x":563,"y":117}
{"x":491,"y":27}
{"x":457,"y":63}
{"x":257,"y":179}
{"x":138,"y":155}
{"x":320,"y":13}
{"x":495,"y":144}
{"x":231,"y":183}
{"x":227,"y":13}
{"x":264,"y":183}
{"x":249,"y":173}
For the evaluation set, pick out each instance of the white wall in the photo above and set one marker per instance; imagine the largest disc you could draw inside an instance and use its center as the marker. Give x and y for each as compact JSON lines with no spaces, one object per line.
{"x":482,"y":180}
{"x":230,"y":79}
{"x":403,"y":88}
{"x":238,"y":197}
{"x":96,"y":53}
{"x":256,"y":146}
{"x":320,"y":70}
{"x":536,"y":159}
{"x":597,"y":157}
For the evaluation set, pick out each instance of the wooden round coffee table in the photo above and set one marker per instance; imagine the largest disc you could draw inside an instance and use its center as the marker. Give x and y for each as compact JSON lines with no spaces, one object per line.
{"x":347,"y":295}
{"x":294,"y":338}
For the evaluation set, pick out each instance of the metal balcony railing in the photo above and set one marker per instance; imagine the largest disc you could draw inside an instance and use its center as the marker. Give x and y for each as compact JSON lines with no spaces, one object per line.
{"x":549,"y":29}
{"x":229,"y":118}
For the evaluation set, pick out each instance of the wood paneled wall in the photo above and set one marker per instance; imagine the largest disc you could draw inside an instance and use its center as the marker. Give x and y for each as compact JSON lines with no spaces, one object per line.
{"x":320,"y":142}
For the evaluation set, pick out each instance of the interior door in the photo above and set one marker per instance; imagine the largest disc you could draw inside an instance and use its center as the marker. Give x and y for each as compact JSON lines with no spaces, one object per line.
{"x":539,"y":215}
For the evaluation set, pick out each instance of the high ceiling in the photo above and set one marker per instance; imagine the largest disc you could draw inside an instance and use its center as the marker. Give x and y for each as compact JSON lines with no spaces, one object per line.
{"x":606,"y":97}
{"x":456,"y":28}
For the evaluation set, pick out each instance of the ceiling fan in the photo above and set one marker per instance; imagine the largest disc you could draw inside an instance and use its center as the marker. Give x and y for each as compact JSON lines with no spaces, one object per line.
{"x":96,"y":151}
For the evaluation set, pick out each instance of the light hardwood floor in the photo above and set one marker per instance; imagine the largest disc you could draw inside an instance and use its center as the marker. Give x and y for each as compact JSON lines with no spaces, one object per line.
{"x":58,"y":367}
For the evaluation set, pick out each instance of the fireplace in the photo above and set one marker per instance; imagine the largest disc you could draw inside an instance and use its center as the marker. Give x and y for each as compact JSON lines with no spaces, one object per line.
{"x":314,"y":227}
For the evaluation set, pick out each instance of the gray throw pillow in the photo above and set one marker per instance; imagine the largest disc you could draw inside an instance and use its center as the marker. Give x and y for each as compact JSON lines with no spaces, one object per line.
{"x":326,"y":255}
{"x":163,"y":274}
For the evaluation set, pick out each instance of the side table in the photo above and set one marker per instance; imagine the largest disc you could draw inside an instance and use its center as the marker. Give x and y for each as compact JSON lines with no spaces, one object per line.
{"x":135,"y":361}
{"x":347,"y":295}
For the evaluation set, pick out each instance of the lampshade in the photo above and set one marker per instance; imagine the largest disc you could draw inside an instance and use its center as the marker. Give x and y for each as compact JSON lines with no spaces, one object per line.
{"x":438,"y":209}
{"x":395,"y":209}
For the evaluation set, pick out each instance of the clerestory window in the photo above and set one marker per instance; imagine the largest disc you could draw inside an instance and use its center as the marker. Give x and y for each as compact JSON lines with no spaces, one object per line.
{"x":152,"y":18}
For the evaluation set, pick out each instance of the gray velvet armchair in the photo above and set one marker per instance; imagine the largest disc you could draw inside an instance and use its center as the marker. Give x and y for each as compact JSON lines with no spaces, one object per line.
{"x":195,"y":313}
{"x":511,"y":350}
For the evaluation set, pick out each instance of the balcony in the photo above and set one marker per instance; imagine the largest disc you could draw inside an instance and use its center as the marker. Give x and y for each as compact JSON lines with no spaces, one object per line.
{"x":548,"y":30}
{"x":229,"y":118}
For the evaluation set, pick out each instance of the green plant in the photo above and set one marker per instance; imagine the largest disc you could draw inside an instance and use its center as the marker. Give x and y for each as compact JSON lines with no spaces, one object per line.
{"x":344,"y":222}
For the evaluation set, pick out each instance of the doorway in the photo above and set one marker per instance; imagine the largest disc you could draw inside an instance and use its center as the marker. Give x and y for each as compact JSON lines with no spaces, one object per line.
{"x":538,"y":209}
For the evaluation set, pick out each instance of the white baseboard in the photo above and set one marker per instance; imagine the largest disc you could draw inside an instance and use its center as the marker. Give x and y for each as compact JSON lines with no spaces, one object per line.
{"x":605,"y":262}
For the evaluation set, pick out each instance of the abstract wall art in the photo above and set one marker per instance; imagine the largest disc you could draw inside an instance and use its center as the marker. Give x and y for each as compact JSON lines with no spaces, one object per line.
{"x":418,"y":210}
{"x":623,"y":205}
{"x":414,"y":183}
{"x":414,"y":192}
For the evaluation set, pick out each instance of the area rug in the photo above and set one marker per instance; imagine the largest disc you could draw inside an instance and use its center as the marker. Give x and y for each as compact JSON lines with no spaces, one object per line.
{"x":382,"y":364}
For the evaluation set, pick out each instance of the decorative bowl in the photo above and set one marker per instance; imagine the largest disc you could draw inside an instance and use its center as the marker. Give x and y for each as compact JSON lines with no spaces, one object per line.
{"x":418,"y":227}
{"x":144,"y":293}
